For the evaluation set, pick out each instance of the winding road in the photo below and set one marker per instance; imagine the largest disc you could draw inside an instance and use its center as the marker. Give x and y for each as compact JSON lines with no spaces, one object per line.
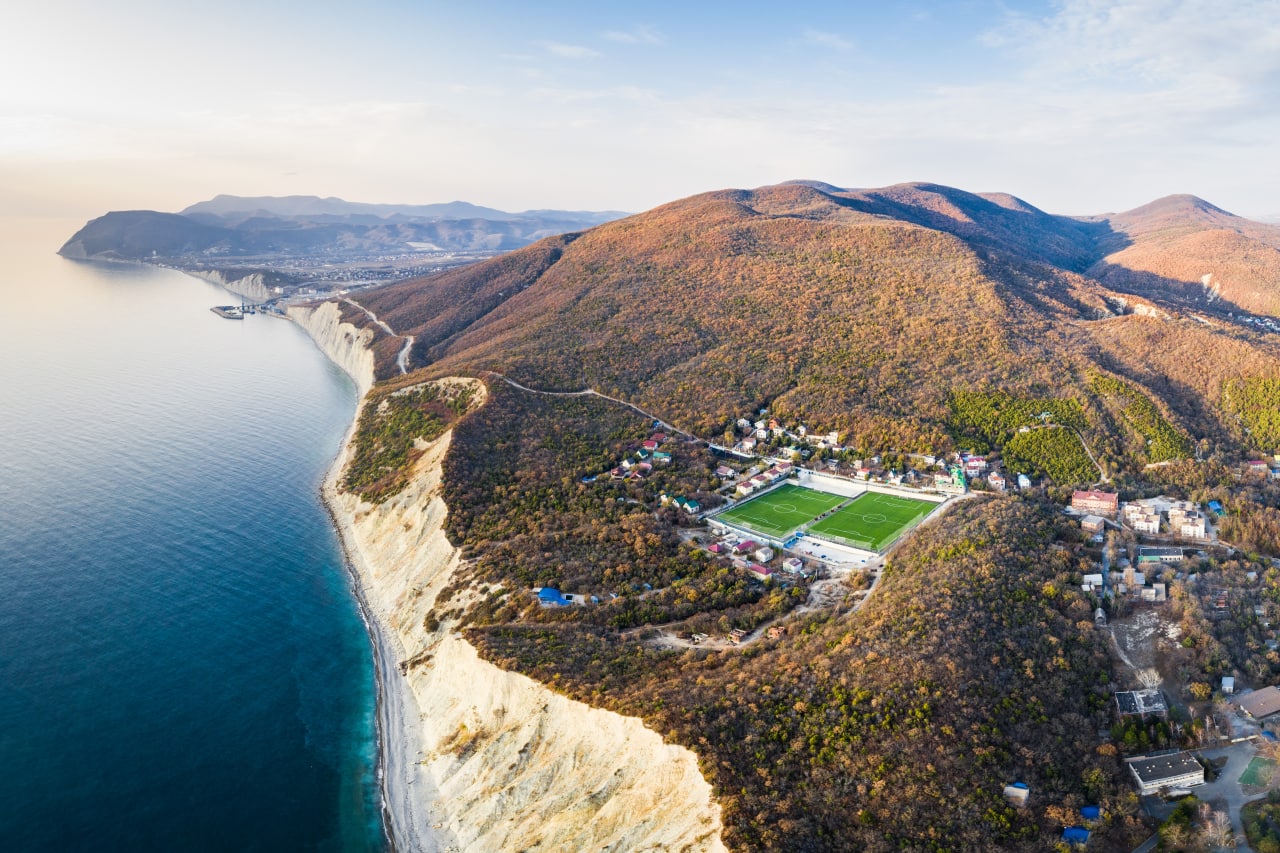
{"x":591,"y":392}
{"x":402,"y":357}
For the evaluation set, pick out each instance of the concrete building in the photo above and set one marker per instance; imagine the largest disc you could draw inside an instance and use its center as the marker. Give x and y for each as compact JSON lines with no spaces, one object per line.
{"x":1093,"y":524}
{"x":1141,"y":703}
{"x":1148,"y":555}
{"x":1180,"y":770}
{"x":1095,"y":503}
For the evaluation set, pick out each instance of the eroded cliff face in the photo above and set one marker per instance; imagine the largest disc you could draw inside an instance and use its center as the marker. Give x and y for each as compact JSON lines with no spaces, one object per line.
{"x":344,"y":344}
{"x":512,"y":765}
{"x":252,"y":286}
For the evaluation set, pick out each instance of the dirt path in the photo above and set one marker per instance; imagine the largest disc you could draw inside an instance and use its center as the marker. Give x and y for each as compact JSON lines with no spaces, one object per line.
{"x":1104,"y":479}
{"x":402,"y":358}
{"x":591,"y":392}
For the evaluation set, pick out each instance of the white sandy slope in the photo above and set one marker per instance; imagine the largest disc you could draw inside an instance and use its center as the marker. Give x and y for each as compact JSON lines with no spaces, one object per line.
{"x":483,"y":759}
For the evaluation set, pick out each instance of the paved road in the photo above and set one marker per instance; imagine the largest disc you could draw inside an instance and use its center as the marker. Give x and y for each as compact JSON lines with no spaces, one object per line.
{"x":1225,"y":790}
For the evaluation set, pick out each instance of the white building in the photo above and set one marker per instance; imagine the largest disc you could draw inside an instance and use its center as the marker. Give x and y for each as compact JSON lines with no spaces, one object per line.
{"x":1153,"y":773}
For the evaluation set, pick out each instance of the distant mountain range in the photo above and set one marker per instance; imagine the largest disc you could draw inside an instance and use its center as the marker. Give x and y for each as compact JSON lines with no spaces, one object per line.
{"x":231,"y":228}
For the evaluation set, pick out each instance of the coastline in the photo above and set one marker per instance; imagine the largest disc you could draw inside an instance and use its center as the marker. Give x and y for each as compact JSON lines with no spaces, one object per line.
{"x":406,"y":823}
{"x":518,"y":765}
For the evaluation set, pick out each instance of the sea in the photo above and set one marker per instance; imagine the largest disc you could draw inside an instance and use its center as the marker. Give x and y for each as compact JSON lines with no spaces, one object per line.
{"x":183,"y":665}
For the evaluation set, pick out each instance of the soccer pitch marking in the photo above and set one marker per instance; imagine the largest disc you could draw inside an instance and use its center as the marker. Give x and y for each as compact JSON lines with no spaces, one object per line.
{"x":875,"y":528}
{"x":782,"y":510}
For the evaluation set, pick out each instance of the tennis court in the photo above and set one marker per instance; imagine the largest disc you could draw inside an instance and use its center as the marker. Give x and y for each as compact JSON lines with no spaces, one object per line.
{"x":782,"y":510}
{"x":874,"y":520}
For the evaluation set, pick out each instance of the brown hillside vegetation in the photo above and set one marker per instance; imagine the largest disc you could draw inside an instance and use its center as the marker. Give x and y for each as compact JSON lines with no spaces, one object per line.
{"x":914,"y":317}
{"x":856,"y":311}
{"x":895,"y":728}
{"x":1183,"y":247}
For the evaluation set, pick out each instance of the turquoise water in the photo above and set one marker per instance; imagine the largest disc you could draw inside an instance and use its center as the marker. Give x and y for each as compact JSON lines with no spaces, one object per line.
{"x":182,"y":662}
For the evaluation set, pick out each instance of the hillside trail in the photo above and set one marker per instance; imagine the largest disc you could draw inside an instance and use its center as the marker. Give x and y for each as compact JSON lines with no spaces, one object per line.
{"x":591,"y":392}
{"x":402,"y":357}
{"x":1102,"y":475}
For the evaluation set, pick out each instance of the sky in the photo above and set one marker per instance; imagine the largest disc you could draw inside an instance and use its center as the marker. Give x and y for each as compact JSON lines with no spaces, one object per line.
{"x":1076,"y":106}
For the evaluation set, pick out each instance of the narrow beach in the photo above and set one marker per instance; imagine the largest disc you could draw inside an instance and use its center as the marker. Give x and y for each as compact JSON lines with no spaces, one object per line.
{"x":408,"y":796}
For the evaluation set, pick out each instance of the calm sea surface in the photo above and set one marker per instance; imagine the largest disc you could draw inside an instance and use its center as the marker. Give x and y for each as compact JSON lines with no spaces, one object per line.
{"x":182,"y":663}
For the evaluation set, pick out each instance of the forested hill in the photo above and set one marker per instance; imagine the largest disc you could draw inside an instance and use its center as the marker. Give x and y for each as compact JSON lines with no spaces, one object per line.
{"x":861,"y":310}
{"x":227,"y":228}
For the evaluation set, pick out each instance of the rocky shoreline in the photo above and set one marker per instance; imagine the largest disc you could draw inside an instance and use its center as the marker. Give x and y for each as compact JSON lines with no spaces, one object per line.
{"x":473,"y":757}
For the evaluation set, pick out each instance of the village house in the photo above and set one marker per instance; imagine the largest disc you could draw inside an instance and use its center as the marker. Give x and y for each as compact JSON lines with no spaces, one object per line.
{"x":793,"y":564}
{"x":1093,"y":524}
{"x":759,"y":572}
{"x":552,"y":597}
{"x":996,"y":480}
{"x":764,"y":554}
{"x":1095,"y":502}
{"x":1259,"y":467}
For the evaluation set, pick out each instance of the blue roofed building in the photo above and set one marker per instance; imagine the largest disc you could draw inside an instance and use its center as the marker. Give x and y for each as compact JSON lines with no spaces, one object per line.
{"x":1075,"y":835}
{"x":551,"y":597}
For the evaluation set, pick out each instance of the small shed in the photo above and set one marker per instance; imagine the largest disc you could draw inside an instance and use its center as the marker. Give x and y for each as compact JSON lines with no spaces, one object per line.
{"x":1017,"y":793}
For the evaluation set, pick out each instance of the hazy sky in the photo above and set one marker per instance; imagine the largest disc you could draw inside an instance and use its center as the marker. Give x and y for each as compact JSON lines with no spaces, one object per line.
{"x":1078,"y":106}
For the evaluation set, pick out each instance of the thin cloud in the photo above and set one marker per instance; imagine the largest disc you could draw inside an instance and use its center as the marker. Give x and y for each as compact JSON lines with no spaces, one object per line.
{"x":636,"y":35}
{"x":825,"y":39}
{"x":570,"y":51}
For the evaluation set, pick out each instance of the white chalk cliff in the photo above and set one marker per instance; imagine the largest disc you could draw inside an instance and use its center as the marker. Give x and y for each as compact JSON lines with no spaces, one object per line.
{"x":344,"y":344}
{"x":492,"y":760}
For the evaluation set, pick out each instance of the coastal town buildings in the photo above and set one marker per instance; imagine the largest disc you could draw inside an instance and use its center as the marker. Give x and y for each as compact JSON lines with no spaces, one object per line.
{"x":1095,"y":503}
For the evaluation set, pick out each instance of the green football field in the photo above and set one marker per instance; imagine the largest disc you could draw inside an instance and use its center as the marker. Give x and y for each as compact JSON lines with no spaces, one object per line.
{"x":781,"y":511}
{"x":1259,"y":772}
{"x":874,"y":520}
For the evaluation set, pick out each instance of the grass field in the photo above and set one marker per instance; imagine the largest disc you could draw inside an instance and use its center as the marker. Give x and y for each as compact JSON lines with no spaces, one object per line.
{"x":874,"y":520}
{"x":1259,"y":772}
{"x":781,"y":511}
